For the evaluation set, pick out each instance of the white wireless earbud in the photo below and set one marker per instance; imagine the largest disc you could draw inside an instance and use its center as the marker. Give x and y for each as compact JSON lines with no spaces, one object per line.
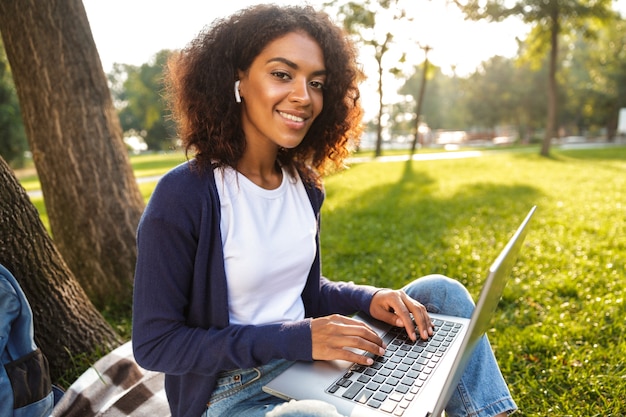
{"x":237,"y":96}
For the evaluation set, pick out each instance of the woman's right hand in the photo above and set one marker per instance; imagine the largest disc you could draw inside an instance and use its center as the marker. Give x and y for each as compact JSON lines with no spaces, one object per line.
{"x":332,"y":335}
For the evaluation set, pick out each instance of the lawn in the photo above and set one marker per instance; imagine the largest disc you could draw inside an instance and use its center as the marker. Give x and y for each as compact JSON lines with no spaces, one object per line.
{"x":558,"y":334}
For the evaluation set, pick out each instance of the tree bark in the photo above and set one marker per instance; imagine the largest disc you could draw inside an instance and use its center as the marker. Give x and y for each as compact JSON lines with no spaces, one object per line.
{"x":551,"y":123}
{"x":67,"y":325}
{"x":90,"y":192}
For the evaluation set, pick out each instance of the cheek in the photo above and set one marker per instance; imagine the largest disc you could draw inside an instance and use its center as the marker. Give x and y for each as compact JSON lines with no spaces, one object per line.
{"x":319,"y":104}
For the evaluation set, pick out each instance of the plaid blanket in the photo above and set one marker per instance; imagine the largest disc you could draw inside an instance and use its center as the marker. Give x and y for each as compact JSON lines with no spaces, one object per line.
{"x":115,"y":386}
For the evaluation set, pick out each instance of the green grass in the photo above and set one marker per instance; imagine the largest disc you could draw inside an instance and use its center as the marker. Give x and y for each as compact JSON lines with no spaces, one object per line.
{"x":558,"y":334}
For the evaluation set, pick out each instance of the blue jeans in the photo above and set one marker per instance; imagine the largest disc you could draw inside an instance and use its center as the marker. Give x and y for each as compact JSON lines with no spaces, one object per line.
{"x":482,"y":391}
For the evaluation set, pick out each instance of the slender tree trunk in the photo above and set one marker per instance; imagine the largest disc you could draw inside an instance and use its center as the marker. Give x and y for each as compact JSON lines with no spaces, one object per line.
{"x":420,"y":100}
{"x":91,"y":195}
{"x":67,"y":325}
{"x":379,"y":126}
{"x":551,"y":124}
{"x":380,"y":49}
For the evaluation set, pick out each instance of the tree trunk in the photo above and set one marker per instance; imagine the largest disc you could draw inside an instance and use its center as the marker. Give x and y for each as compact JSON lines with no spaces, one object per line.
{"x":551,"y":124}
{"x":67,"y":325}
{"x":91,"y":195}
{"x":420,"y":100}
{"x":379,"y":127}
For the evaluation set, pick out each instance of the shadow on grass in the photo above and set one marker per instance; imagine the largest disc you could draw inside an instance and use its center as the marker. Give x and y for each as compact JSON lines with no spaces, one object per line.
{"x":391,"y":234}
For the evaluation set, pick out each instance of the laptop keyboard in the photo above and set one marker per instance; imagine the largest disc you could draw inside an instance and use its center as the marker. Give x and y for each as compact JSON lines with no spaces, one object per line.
{"x":393,"y":381}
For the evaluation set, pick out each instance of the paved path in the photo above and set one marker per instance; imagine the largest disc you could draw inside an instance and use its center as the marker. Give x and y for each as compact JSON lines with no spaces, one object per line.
{"x":418,"y":157}
{"x":431,"y":156}
{"x":394,"y":158}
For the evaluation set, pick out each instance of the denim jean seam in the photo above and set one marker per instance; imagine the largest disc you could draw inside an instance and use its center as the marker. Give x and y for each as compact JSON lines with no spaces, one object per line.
{"x":472,"y":411}
{"x":465,"y":398}
{"x":235,"y":390}
{"x":506,"y":403}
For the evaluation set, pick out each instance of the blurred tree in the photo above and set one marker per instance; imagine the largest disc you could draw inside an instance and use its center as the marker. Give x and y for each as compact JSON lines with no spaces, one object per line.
{"x":501,"y":91}
{"x":491,"y":101}
{"x":67,"y":325}
{"x":92,"y":198}
{"x":137,"y":94}
{"x":440,"y":109}
{"x":420,"y":99}
{"x":529,"y":91}
{"x":368,"y":21}
{"x":596,"y":76}
{"x":13,"y":141}
{"x":551,"y":19}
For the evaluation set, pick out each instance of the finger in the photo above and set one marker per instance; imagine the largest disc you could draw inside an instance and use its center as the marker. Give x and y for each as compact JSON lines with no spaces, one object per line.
{"x":385,"y":305}
{"x":359,"y":345}
{"x":351,"y":356}
{"x":333,"y":335}
{"x":422,"y":319}
{"x":403,"y":317}
{"x":361,"y":336}
{"x":389,"y":317}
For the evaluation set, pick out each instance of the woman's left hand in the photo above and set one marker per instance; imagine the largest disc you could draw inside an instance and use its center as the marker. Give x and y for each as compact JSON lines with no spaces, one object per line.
{"x":394,"y":307}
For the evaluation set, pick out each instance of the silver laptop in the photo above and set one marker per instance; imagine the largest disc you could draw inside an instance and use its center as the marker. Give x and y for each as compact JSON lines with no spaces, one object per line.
{"x":413,"y":379}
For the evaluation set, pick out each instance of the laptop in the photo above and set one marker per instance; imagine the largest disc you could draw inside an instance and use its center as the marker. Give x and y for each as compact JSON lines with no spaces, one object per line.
{"x":413,"y":379}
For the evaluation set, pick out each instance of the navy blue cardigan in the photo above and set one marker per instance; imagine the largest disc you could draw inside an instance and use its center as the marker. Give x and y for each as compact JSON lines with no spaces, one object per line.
{"x":180,"y":305}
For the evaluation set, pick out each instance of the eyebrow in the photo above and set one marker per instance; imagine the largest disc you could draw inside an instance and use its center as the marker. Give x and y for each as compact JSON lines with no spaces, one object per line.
{"x":294,"y":65}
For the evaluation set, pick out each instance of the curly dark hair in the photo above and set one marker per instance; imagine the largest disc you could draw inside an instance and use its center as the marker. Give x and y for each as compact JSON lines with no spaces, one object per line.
{"x":200,"y":81}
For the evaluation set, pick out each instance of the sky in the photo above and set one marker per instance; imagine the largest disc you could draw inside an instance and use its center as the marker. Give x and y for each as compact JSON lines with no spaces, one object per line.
{"x":133,"y":31}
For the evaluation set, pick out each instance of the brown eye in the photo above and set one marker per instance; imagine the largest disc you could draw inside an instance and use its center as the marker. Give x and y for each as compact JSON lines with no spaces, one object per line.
{"x":281,"y":75}
{"x":317,"y":85}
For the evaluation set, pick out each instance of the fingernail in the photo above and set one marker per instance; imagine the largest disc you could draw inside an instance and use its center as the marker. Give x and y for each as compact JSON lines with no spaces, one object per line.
{"x":381,"y":351}
{"x":370,"y":361}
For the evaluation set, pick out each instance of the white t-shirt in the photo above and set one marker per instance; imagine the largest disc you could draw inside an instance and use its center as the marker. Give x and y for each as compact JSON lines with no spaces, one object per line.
{"x":269,"y":246}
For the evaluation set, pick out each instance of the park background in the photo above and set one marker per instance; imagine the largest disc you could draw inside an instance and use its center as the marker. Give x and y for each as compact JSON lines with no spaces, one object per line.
{"x":450,"y":205}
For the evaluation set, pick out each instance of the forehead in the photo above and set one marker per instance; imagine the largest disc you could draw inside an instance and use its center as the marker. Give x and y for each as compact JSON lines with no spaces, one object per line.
{"x":298,"y":47}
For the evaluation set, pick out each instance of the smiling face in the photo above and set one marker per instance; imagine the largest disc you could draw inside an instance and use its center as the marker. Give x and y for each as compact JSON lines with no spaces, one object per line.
{"x":282,"y":92}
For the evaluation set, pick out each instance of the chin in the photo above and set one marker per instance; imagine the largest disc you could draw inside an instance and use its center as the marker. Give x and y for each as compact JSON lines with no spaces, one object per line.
{"x":290,"y":144}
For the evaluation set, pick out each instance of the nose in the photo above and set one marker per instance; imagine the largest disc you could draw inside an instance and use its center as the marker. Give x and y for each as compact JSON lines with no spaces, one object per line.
{"x":300,"y":92}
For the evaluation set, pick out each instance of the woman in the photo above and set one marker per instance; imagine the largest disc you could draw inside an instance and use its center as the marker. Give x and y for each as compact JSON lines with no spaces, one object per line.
{"x":228,"y":287}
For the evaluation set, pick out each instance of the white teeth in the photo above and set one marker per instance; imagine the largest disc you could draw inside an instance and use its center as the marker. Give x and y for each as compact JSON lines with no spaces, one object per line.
{"x":292,"y":117}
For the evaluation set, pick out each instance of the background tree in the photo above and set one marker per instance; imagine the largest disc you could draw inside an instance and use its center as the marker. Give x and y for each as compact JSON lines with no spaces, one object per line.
{"x":67,"y":325}
{"x":596,"y":76}
{"x":445,"y":106}
{"x":492,"y":102}
{"x":420,"y":99}
{"x":370,"y":22}
{"x":13,"y":142}
{"x":551,"y":19}
{"x":91,"y":195}
{"x":137,"y":94}
{"x":529,"y":92}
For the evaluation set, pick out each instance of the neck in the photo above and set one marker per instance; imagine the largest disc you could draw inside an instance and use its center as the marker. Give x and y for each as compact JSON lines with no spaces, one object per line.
{"x":263,"y":171}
